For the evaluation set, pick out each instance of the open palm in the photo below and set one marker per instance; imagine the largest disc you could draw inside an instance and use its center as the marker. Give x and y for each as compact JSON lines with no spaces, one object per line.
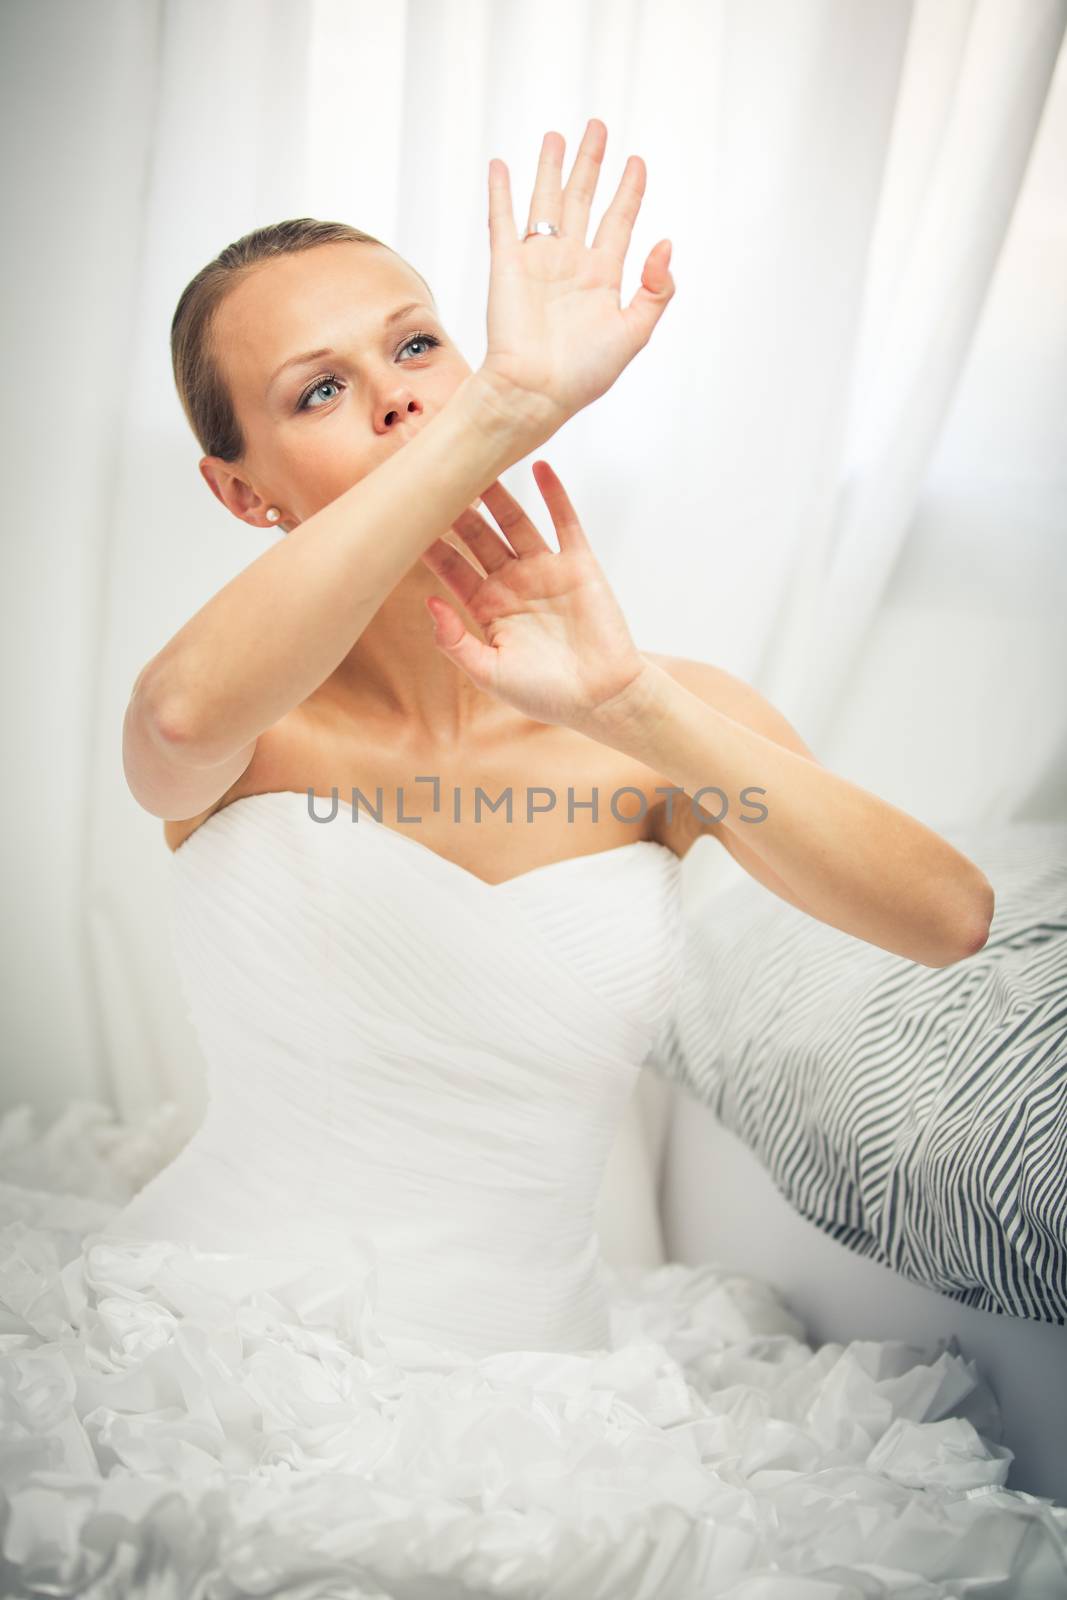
{"x":558,"y":335}
{"x":557,"y":646}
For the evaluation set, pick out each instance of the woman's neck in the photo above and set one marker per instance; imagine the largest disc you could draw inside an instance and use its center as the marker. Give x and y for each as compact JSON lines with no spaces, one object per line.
{"x":395,"y":676}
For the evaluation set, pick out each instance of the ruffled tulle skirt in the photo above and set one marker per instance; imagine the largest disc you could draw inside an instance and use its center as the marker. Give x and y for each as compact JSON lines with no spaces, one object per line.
{"x":190,"y":1426}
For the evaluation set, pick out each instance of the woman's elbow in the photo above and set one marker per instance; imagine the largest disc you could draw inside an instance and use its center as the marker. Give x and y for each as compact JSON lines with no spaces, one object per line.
{"x":978,"y":923}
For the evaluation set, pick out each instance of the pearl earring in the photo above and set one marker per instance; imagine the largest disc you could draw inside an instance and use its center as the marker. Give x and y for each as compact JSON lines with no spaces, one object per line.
{"x":273,"y":514}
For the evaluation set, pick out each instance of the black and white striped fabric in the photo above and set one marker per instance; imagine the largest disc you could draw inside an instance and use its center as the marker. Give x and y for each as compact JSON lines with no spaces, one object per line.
{"x":916,"y":1114}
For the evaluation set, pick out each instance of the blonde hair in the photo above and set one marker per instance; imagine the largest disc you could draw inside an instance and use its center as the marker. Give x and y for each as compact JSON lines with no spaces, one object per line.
{"x":198,"y":376}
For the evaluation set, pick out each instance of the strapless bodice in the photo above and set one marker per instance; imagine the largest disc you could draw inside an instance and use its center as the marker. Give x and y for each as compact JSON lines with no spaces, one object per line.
{"x":400,"y":1052}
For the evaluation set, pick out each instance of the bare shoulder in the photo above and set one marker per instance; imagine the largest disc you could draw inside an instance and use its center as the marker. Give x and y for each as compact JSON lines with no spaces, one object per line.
{"x":735,"y":698}
{"x":278,"y":753}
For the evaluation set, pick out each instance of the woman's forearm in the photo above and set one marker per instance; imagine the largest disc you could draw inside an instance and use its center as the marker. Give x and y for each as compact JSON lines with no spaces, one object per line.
{"x":852,"y":859}
{"x":277,"y":630}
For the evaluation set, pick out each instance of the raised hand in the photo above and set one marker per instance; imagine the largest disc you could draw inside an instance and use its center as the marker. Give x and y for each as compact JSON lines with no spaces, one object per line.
{"x":558,"y":335}
{"x":558,"y":647}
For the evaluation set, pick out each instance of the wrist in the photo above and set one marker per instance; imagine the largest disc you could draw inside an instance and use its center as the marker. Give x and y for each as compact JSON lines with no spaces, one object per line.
{"x":625,"y":721}
{"x":519,"y":420}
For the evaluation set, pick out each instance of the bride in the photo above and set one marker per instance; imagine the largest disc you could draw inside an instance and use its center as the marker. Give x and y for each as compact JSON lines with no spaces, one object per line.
{"x":427,"y":803}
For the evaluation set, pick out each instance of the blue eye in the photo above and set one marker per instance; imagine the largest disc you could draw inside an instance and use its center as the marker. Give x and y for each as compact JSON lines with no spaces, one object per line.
{"x":320,"y":383}
{"x":331,"y":377}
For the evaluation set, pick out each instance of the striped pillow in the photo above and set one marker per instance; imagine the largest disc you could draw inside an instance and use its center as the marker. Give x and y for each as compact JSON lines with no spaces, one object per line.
{"x":917,"y":1114}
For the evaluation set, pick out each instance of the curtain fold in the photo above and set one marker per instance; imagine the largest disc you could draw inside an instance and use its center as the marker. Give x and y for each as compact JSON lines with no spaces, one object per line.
{"x":949,"y":197}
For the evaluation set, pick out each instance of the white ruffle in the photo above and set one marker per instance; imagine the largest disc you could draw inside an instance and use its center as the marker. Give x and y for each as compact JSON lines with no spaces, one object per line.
{"x":190,"y":1426}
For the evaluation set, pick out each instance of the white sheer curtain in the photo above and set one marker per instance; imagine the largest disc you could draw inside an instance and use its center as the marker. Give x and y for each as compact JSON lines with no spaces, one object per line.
{"x":837,"y":470}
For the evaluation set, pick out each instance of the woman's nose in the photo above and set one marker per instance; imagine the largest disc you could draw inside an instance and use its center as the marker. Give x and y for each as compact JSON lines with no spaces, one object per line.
{"x":394,"y":410}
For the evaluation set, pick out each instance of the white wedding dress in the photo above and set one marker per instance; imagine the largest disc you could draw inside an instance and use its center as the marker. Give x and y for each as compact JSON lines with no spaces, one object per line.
{"x":356,"y":1339}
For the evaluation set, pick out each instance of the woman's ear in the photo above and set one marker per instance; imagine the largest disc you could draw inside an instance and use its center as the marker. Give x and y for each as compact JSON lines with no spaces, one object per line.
{"x":237,"y":494}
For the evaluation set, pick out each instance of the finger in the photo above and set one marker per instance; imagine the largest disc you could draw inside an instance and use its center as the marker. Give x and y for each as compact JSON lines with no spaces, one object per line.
{"x":581,"y":185}
{"x":483,"y":540}
{"x":652,"y":298}
{"x":520,"y":532}
{"x":569,"y":530}
{"x":546,"y":203}
{"x":616,"y":225}
{"x":453,"y":569}
{"x":476,"y":659}
{"x":502,"y":230}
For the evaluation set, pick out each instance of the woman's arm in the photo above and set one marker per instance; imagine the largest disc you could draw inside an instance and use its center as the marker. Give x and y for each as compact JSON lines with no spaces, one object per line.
{"x":681,"y":823}
{"x":560,"y":650}
{"x":271,"y":635}
{"x":851,"y":859}
{"x":558,"y":337}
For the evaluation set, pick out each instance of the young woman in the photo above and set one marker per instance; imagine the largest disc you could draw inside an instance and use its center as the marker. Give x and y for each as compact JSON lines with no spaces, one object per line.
{"x":360,"y":1323}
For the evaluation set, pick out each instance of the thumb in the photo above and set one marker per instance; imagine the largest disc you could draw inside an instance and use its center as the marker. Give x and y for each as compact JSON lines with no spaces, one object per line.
{"x":459,"y":644}
{"x":654,"y":295}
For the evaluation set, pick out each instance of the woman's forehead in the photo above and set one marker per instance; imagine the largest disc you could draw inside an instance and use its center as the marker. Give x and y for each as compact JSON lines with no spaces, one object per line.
{"x":309,"y":298}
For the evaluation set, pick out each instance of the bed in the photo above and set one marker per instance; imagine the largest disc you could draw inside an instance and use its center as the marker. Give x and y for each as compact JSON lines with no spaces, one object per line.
{"x":884,"y":1143}
{"x":719,"y":1204}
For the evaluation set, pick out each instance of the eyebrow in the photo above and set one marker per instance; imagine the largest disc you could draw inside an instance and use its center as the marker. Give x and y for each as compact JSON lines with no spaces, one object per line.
{"x":316,"y":355}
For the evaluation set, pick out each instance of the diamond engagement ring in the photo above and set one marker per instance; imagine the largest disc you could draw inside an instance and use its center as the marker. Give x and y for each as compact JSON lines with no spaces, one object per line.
{"x":540,"y":227}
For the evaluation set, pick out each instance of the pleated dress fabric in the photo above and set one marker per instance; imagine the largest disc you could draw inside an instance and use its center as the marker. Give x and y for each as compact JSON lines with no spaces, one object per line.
{"x":356,"y":1340}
